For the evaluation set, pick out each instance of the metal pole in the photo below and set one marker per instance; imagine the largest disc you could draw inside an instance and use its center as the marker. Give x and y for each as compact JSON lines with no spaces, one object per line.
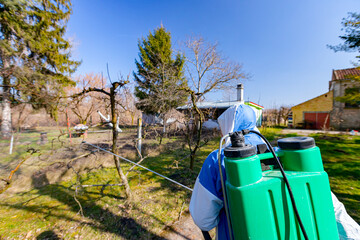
{"x":139,"y":135}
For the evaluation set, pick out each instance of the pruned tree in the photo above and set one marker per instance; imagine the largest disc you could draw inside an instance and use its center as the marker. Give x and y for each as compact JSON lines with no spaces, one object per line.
{"x":35,"y":59}
{"x":111,"y":95}
{"x":351,"y":38}
{"x":159,"y":75}
{"x":207,"y":70}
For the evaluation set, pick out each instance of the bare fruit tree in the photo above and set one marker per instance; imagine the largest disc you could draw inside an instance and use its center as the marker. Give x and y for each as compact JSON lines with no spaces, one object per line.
{"x":111,"y":95}
{"x":207,"y":70}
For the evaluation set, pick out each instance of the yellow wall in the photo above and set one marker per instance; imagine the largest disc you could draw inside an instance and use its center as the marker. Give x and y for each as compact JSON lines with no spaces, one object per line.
{"x":322,"y":103}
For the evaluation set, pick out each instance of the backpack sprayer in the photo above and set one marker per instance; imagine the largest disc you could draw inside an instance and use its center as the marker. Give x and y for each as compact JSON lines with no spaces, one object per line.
{"x":260,"y":204}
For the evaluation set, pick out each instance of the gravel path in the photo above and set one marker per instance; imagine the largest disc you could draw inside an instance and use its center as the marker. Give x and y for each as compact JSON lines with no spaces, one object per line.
{"x":306,"y":132}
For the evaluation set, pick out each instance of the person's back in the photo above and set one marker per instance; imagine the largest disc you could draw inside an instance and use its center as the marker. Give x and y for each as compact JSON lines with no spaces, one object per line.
{"x":206,"y":205}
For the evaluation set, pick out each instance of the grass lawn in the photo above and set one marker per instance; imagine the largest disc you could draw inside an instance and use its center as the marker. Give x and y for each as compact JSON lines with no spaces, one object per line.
{"x":341,"y":158}
{"x":52,"y":211}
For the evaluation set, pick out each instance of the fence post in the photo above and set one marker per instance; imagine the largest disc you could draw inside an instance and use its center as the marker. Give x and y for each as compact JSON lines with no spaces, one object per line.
{"x":68,"y":124}
{"x":43,"y":138}
{"x":11,"y":143}
{"x":139,"y":135}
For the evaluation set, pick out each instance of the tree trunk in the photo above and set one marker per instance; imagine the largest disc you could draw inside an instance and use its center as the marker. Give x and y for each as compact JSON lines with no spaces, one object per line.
{"x":164,"y":118}
{"x":199,"y":124}
{"x":114,"y":148}
{"x":192,"y":161}
{"x":6,"y":127}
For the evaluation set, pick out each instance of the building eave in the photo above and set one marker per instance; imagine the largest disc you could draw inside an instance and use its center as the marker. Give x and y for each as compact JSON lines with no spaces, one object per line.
{"x":310,"y":100}
{"x":220,"y":105}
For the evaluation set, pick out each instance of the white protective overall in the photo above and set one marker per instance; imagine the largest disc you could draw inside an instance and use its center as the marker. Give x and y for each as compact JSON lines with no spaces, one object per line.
{"x":206,"y":205}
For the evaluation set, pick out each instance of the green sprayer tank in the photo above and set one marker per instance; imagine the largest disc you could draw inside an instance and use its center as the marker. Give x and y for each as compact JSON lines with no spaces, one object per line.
{"x":259,"y":203}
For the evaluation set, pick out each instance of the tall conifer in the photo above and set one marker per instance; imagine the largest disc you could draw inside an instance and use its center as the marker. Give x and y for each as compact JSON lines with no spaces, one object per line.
{"x":160,"y":75}
{"x":35,"y":57}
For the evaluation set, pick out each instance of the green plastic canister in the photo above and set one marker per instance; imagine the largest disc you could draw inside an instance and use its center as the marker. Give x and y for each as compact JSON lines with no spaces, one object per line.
{"x":259,"y":202}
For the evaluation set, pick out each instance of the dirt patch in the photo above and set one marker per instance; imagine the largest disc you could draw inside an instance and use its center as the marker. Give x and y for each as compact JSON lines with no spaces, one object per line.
{"x":185,"y":228}
{"x":61,"y":164}
{"x":42,"y":170}
{"x":329,"y":138}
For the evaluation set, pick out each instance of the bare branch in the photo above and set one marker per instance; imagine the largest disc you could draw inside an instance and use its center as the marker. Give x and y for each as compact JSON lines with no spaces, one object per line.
{"x":107,"y":70}
{"x":9,"y":180}
{"x":90,"y":89}
{"x":208,"y":70}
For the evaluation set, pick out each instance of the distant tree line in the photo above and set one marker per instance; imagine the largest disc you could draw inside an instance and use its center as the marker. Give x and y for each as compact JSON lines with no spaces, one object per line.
{"x":276,"y":116}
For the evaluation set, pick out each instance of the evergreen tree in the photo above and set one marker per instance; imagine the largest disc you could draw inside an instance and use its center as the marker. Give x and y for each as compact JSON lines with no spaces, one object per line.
{"x":351,"y":27}
{"x":160,"y":78}
{"x":35,"y":57}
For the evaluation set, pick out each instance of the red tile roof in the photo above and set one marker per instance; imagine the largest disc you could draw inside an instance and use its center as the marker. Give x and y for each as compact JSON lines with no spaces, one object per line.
{"x":345,"y":73}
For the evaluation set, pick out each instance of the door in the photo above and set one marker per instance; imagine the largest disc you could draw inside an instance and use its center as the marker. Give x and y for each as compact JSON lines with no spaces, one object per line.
{"x":316,"y":120}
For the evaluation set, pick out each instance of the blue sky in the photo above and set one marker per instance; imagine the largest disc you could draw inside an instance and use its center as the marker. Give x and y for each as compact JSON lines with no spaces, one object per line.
{"x":282,"y":44}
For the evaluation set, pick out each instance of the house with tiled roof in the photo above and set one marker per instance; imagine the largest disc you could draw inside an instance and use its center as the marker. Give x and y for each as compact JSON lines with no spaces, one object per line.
{"x":324,"y":111}
{"x":344,"y":115}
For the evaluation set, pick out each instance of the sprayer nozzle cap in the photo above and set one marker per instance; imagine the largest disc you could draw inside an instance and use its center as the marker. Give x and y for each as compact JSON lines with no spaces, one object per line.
{"x":296,"y":143}
{"x":240,"y":152}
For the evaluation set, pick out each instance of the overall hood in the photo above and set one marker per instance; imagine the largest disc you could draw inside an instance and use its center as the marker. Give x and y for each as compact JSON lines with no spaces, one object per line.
{"x":237,"y":118}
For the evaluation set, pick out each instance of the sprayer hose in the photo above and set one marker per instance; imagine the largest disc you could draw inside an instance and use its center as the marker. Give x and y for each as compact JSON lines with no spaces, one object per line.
{"x":224,"y":189}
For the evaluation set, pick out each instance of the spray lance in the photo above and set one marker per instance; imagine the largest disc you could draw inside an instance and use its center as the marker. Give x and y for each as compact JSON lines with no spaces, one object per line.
{"x":256,"y":202}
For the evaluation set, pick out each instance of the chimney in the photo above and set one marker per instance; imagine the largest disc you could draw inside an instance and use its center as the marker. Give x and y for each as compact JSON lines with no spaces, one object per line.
{"x":240,"y":92}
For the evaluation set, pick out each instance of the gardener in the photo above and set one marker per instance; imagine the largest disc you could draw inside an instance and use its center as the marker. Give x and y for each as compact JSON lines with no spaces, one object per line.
{"x":206,"y":205}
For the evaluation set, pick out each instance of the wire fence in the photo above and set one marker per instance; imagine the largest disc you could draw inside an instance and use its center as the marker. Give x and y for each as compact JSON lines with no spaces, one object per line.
{"x":136,"y":164}
{"x":63,"y":145}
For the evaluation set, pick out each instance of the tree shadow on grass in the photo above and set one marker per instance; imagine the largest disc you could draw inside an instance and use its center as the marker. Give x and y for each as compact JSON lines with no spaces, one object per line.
{"x":101,"y":219}
{"x":48,"y":235}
